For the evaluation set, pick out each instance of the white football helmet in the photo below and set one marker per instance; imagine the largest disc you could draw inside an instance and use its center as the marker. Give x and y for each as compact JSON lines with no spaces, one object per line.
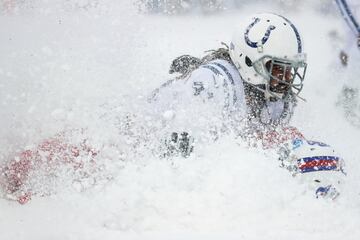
{"x":268,"y":52}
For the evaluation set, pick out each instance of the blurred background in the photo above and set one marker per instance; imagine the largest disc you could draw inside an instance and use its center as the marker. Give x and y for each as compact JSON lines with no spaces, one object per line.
{"x":169,"y":7}
{"x":84,"y":64}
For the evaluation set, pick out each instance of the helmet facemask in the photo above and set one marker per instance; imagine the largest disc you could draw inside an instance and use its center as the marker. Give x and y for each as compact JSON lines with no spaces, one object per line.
{"x":281,"y":76}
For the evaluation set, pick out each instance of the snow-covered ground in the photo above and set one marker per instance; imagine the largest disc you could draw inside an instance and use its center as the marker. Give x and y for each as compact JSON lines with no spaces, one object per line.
{"x":65,"y":67}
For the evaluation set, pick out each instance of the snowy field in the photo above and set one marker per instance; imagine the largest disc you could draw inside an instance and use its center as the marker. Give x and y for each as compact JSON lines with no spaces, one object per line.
{"x":68,"y":65}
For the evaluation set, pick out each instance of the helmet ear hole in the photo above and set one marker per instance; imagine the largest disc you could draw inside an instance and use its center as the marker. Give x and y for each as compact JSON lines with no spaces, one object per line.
{"x":248,"y":61}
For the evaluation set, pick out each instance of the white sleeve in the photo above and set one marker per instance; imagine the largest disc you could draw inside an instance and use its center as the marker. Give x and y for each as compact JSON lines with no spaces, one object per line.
{"x":194,"y":104}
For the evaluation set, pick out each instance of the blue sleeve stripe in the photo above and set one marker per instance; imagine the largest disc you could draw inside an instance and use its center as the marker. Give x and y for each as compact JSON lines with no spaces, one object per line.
{"x":226,"y":71}
{"x":211,"y":68}
{"x":228,"y":74}
{"x":225,"y":84}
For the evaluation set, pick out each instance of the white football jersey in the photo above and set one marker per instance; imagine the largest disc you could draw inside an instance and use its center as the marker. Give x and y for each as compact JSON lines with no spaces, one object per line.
{"x":208,"y":97}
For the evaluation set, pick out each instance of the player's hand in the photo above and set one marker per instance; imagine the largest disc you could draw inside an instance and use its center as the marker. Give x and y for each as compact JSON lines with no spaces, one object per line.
{"x":178,"y":144}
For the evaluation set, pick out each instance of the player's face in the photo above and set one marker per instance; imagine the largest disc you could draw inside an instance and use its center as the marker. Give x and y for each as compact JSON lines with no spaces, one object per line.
{"x":281,"y":77}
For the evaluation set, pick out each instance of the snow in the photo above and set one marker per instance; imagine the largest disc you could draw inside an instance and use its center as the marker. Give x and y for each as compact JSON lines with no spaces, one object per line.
{"x":68,"y":65}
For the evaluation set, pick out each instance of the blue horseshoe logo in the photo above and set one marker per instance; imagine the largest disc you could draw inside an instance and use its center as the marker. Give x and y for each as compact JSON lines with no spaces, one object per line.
{"x":263,"y":40}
